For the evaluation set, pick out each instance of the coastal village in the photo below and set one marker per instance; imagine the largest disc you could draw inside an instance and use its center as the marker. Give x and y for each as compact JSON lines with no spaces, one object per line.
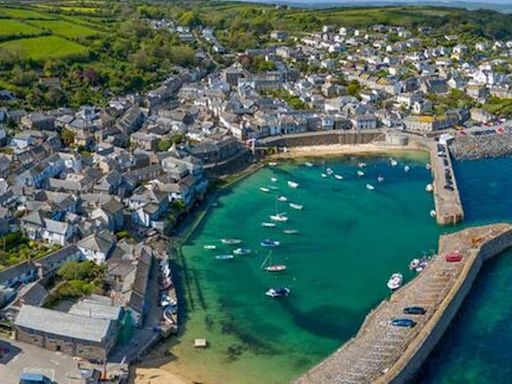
{"x":92,"y":197}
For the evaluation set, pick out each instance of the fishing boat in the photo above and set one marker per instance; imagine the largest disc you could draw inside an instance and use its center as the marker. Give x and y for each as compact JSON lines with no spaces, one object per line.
{"x":324,"y":175}
{"x":263,"y":189}
{"x":433,"y":213}
{"x":296,"y":206}
{"x":395,"y":281}
{"x":370,"y":187}
{"x":407,"y":168}
{"x":209,"y":246}
{"x":338,"y":177}
{"x":270,"y":243}
{"x":280,"y":218}
{"x":273,"y":179}
{"x":277,"y":292}
{"x":272,"y":164}
{"x":282,"y":199}
{"x":224,"y":257}
{"x":230,"y":241}
{"x":268,"y":225}
{"x":380,"y":179}
{"x":361,"y":165}
{"x":308,"y":164}
{"x":293,"y":184}
{"x":290,"y":231}
{"x":393,"y":162}
{"x":429,"y":188}
{"x":428,"y":167}
{"x":241,"y":251}
{"x":360,"y":173}
{"x":329,"y":171}
{"x":267,"y":266}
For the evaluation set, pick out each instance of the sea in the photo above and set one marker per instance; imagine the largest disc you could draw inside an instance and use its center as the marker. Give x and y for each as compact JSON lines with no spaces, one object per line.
{"x":349,"y":240}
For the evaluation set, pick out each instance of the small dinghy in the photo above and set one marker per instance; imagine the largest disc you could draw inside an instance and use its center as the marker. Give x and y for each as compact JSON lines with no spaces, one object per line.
{"x":270,"y":243}
{"x":360,"y":173}
{"x":230,"y":241}
{"x":338,"y":177}
{"x":370,"y":187}
{"x":277,"y":292}
{"x":296,"y":206}
{"x":263,"y":189}
{"x":242,"y":251}
{"x":268,"y":225}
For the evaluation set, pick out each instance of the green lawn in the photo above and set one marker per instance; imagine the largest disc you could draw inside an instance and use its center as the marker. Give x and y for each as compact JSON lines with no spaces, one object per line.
{"x":13,"y":28}
{"x":44,"y":47}
{"x":63,"y":28}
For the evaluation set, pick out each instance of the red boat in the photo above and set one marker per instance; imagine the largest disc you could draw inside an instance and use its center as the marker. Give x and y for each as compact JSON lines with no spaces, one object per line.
{"x":275,"y":268}
{"x":453,"y":257}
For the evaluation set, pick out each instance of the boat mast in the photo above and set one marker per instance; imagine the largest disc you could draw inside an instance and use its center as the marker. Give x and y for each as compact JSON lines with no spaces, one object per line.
{"x":266,"y":259}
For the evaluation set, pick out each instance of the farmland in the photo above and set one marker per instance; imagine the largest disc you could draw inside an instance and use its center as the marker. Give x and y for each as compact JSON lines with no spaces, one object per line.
{"x":64,"y":28}
{"x":13,"y":28}
{"x":43,"y":48}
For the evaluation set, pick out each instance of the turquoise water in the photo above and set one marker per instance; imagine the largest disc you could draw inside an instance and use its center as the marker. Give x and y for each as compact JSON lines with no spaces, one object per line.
{"x":477,"y":346}
{"x":350,"y":241}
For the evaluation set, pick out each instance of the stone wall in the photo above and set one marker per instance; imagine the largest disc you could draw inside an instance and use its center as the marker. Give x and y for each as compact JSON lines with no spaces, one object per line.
{"x":323,"y":138}
{"x":483,"y":146}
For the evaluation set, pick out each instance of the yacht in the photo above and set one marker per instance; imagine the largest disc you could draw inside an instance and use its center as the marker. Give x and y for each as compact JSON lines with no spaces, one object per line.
{"x":270,"y":243}
{"x":338,"y":177}
{"x":277,"y":292}
{"x":370,"y":187}
{"x":282,"y":199}
{"x":279,"y":218}
{"x":241,"y":251}
{"x":293,"y":184}
{"x":395,"y":281}
{"x":263,"y":189}
{"x":230,"y":241}
{"x":393,"y":162}
{"x":296,"y":206}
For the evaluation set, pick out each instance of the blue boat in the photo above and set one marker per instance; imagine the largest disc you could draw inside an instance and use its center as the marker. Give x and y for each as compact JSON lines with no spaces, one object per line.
{"x":408,"y":323}
{"x":270,"y":243}
{"x":277,"y":292}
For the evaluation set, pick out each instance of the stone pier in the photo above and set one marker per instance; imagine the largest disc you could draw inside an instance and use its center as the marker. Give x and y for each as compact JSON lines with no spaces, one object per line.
{"x":381,"y":353}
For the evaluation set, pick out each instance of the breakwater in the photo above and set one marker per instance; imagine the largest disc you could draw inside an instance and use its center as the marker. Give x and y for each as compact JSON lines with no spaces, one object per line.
{"x":472,"y":147}
{"x":381,"y":353}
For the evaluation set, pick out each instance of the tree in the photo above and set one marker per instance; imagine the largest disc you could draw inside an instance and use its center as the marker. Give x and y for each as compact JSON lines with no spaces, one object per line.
{"x":164,"y":145}
{"x":67,"y":137}
{"x":86,"y":271}
{"x":191,"y":19}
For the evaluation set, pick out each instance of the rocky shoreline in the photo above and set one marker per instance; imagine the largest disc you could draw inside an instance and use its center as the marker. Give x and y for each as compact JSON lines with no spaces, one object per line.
{"x":480,"y":147}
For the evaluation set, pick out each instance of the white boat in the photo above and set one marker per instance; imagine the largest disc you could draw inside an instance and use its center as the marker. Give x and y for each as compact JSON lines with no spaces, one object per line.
{"x":272,"y":164}
{"x":293,"y":184}
{"x":361,"y":165}
{"x":308,"y":164}
{"x":370,"y":187}
{"x":279,"y":218}
{"x":230,"y":241}
{"x":380,"y":179}
{"x":395,"y":281}
{"x":360,"y":173}
{"x":273,"y":187}
{"x":329,"y":171}
{"x":224,"y":257}
{"x":429,"y":188}
{"x":209,"y":246}
{"x":290,"y":231}
{"x":296,"y":206}
{"x":263,"y":189}
{"x":282,"y":198}
{"x":428,"y":167}
{"x":241,"y":251}
{"x":277,"y":292}
{"x":338,"y":177}
{"x":275,"y":268}
{"x":324,"y":175}
{"x":415,"y":263}
{"x":268,"y":225}
{"x":270,"y":243}
{"x":407,"y":168}
{"x":433,"y":213}
{"x":273,"y":179}
{"x":393,"y":162}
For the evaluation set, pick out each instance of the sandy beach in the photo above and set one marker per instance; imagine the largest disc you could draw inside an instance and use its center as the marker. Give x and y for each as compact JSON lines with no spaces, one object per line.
{"x":158,"y":376}
{"x":344,"y":150}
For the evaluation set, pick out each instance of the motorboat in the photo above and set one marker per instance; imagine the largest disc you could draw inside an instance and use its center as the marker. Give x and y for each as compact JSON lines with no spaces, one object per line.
{"x":230,"y":241}
{"x":268,"y":225}
{"x":329,"y":171}
{"x":361,"y":165}
{"x":360,"y":173}
{"x":209,"y":246}
{"x":225,"y":257}
{"x":308,"y":164}
{"x":263,"y":189}
{"x":270,"y":243}
{"x":415,"y":263}
{"x":290,"y":231}
{"x":395,"y":281}
{"x":393,"y":162}
{"x":428,"y":167}
{"x":275,"y":268}
{"x":282,"y":199}
{"x":272,"y":164}
{"x":280,"y":218}
{"x":273,"y":179}
{"x":338,"y":177}
{"x":429,"y":188}
{"x":241,"y":251}
{"x":324,"y":175}
{"x":380,"y":179}
{"x":407,"y":168}
{"x":293,"y":184}
{"x":277,"y":292}
{"x":433,"y":213}
{"x":370,"y":187}
{"x":296,"y":206}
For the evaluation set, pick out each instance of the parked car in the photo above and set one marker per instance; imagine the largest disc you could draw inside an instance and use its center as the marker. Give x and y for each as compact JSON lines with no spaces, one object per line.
{"x":406,"y":323}
{"x":414,"y":310}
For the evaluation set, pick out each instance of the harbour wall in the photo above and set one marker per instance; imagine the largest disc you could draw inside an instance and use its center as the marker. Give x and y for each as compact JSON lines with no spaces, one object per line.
{"x":472,"y":147}
{"x":381,"y":353}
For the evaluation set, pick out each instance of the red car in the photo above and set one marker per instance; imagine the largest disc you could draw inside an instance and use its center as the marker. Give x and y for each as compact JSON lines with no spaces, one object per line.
{"x":453,"y":257}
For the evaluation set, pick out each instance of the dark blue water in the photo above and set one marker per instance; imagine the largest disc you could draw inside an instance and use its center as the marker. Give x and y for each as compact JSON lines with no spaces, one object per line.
{"x":477,"y":347}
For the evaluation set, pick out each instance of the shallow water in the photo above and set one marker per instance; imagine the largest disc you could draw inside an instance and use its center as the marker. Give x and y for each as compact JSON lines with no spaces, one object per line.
{"x":350,"y":241}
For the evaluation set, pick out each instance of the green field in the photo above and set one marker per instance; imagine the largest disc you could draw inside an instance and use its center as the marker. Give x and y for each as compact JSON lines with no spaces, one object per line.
{"x":63,"y":28}
{"x":44,"y":47}
{"x":12,"y":28}
{"x":18,"y":13}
